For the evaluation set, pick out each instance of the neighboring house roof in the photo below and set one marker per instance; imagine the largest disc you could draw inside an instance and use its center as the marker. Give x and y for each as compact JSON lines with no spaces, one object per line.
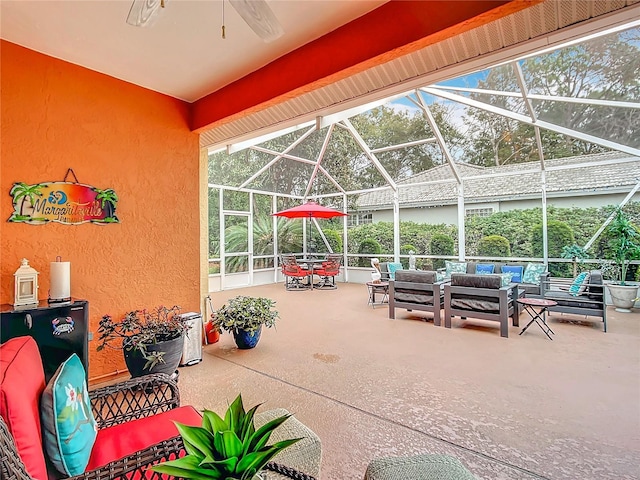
{"x":516,"y":181}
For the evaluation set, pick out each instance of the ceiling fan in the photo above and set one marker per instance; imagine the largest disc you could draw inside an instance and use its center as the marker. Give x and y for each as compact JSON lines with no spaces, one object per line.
{"x":256,"y":13}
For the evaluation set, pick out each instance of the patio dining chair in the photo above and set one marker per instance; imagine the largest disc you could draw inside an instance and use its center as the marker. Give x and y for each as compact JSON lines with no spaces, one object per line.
{"x":328,"y":272}
{"x":293,"y":273}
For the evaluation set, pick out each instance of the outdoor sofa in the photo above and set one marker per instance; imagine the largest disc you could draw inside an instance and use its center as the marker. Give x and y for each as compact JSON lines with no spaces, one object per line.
{"x":531,"y":284}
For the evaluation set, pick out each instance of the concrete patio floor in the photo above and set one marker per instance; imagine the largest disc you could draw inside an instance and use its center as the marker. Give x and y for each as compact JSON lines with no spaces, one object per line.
{"x":518,"y":408}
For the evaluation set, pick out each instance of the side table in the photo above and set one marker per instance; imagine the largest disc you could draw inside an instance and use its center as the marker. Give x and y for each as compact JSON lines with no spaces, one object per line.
{"x":380,"y":287}
{"x":537,"y":316}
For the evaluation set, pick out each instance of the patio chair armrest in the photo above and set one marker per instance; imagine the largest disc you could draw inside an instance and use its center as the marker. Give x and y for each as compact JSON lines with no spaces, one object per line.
{"x":135,"y":398}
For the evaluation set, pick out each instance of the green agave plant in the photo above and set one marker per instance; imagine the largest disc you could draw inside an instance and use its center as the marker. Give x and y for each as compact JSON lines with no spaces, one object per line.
{"x":229,"y":449}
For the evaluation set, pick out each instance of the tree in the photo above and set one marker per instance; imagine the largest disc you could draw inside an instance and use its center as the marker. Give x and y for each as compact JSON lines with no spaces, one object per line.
{"x":603,"y":68}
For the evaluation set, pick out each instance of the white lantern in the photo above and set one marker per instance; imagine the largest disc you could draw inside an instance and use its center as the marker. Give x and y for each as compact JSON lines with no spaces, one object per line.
{"x":26,"y":285}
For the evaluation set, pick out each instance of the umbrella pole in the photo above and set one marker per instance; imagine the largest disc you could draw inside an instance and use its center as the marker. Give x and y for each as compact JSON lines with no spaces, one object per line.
{"x":307,"y":254}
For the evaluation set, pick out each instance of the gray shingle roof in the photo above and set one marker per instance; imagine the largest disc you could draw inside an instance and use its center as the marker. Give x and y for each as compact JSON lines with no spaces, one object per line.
{"x":516,"y":182}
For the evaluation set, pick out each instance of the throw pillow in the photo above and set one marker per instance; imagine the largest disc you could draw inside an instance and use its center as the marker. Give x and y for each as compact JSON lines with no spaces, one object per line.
{"x":505,"y":278}
{"x":392,"y":267}
{"x":533,"y":272}
{"x":68,"y":427}
{"x":579,"y":284}
{"x":515,"y":270}
{"x":454,"y":267}
{"x":484,"y":268}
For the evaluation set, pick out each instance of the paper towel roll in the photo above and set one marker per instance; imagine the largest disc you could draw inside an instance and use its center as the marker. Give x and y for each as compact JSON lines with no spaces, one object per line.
{"x":60,"y":281}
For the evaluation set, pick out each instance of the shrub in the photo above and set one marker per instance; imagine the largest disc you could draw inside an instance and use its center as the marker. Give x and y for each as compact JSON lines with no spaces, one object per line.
{"x":559,"y":234}
{"x":368,"y":246}
{"x":334,"y":238}
{"x":494,"y":246}
{"x":441,"y":245}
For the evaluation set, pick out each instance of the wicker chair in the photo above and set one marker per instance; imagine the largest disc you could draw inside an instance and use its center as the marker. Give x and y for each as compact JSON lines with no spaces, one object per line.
{"x":114,"y":407}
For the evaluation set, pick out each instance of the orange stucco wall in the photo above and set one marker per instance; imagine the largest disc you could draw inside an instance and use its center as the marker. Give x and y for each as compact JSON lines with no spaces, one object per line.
{"x":113,"y":134}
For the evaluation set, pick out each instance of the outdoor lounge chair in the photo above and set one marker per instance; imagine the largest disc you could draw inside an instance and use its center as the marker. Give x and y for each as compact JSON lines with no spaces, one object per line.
{"x":588,"y":301}
{"x":483,"y":297}
{"x":134,"y":421}
{"x":416,"y":290}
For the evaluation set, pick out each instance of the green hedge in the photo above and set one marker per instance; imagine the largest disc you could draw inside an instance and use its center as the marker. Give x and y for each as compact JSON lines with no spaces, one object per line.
{"x":494,"y":246}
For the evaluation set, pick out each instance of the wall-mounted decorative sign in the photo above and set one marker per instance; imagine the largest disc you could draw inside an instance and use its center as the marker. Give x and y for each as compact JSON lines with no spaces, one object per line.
{"x":63,"y":202}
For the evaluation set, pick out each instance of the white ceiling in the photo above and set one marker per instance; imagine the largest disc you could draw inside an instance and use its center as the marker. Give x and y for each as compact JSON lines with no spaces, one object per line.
{"x":182,"y":53}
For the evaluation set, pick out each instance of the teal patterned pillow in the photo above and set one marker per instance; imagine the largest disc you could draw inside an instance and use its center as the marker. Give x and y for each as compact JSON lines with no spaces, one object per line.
{"x":68,"y":427}
{"x":533,"y":272}
{"x":454,"y":267}
{"x":579,"y":284}
{"x":392,"y":268}
{"x":505,"y":278}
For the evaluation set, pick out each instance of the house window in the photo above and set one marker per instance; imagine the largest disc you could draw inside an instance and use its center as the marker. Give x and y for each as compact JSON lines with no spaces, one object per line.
{"x":478,"y":212}
{"x":359,"y":219}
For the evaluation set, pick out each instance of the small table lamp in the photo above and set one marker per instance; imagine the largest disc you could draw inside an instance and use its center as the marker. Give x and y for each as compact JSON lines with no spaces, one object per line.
{"x":26,"y":285}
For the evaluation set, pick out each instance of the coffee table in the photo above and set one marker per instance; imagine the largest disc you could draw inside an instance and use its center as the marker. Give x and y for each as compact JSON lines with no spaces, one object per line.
{"x":538,"y":316}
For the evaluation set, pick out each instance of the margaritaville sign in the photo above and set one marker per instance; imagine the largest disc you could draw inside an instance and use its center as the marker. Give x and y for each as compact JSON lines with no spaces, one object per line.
{"x":63,"y":202}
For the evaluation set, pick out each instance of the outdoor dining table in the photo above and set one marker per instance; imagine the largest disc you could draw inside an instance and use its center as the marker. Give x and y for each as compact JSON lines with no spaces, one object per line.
{"x":311,"y":264}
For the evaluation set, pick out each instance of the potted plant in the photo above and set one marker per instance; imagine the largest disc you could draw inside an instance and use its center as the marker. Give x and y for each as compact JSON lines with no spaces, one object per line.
{"x":624,"y":246}
{"x":152,"y":340}
{"x":229,"y":448}
{"x":244,"y":317}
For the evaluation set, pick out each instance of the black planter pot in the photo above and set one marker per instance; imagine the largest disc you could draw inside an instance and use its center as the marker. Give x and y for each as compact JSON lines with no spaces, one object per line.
{"x":245,"y":340}
{"x":172,"y":353}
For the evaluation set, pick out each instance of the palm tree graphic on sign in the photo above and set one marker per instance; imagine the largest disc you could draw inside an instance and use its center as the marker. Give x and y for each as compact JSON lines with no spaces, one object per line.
{"x":23,"y":192}
{"x":108,"y":200}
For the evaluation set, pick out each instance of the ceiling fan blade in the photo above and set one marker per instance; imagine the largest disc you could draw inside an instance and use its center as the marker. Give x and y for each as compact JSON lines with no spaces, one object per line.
{"x":144,"y":12}
{"x":259,"y":17}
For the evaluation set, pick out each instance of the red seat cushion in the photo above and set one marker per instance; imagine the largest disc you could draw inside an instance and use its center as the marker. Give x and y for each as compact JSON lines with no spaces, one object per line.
{"x":21,"y":384}
{"x":119,"y":441}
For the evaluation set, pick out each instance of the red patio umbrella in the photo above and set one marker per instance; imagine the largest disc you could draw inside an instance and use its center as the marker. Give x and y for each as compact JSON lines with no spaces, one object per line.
{"x":310,"y":210}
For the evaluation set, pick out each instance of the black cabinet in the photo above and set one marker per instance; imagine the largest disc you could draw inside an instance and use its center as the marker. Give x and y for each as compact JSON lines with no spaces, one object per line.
{"x":59,"y":330}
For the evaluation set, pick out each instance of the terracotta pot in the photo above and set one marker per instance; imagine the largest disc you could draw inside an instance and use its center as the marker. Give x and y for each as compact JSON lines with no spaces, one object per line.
{"x":212,"y":334}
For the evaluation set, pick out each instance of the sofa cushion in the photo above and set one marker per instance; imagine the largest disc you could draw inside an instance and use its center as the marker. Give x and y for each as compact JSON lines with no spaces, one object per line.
{"x":595,"y":291}
{"x":532,"y":273}
{"x":475,"y":303}
{"x":21,"y":384}
{"x":484,"y":268}
{"x":476,"y":281}
{"x":124,"y":439}
{"x":68,"y":426}
{"x":567,"y":300}
{"x":515,"y":270}
{"x":413,"y":296}
{"x":416,"y":276}
{"x":530,"y":288}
